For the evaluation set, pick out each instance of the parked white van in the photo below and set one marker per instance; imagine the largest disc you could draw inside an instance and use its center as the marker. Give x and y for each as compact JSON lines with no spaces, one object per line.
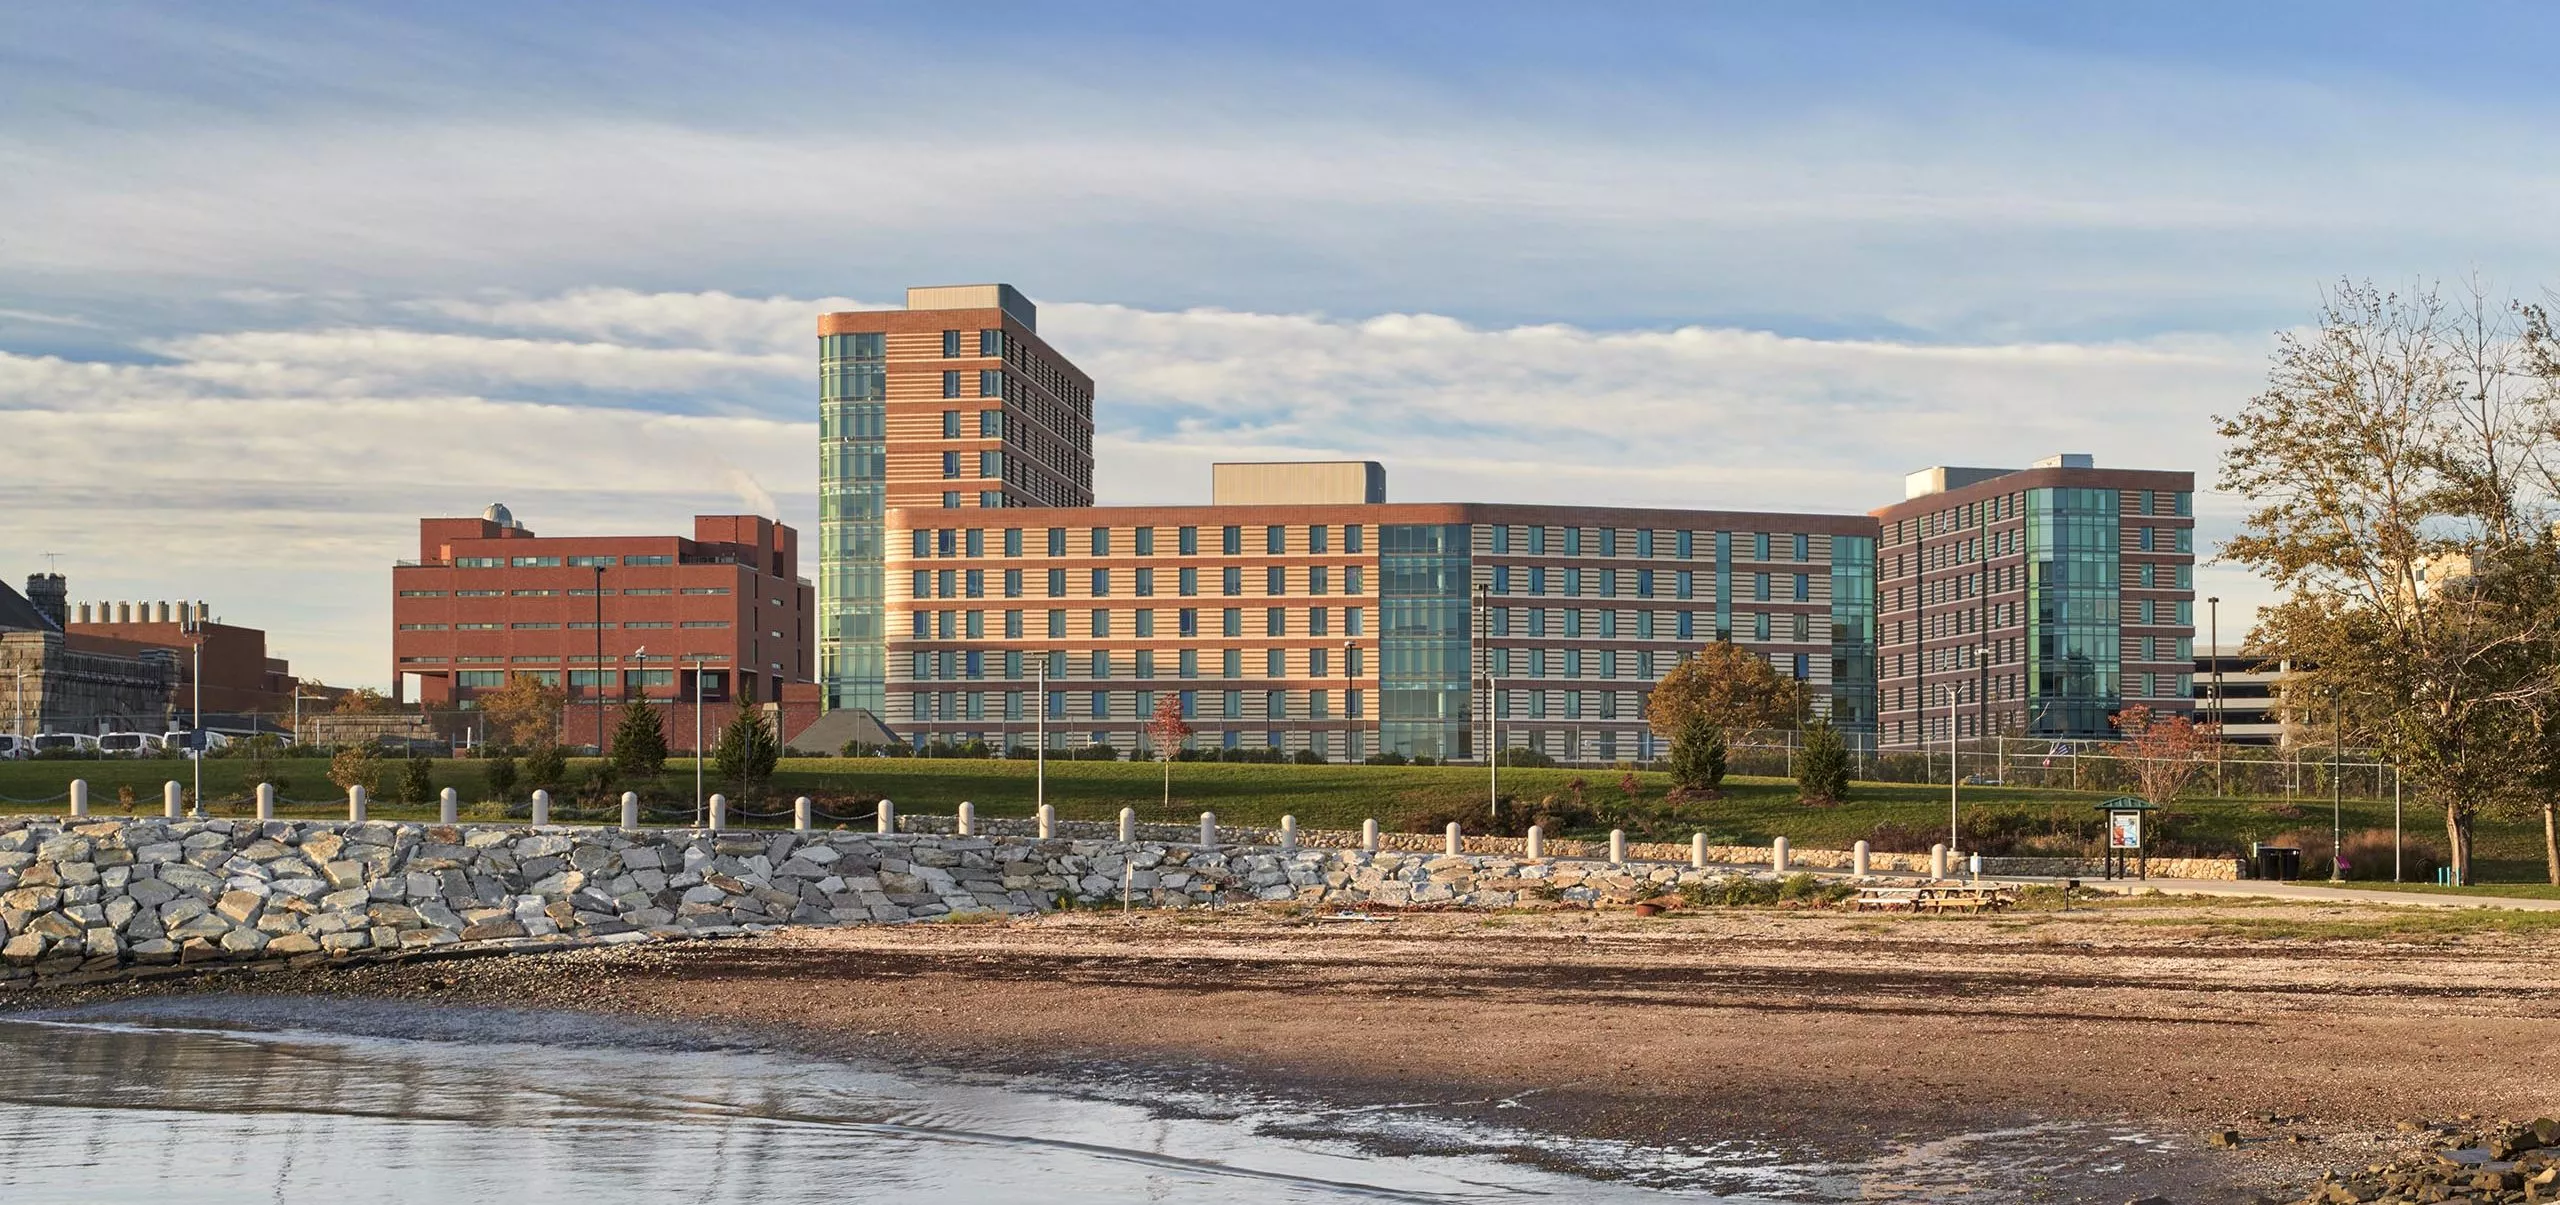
{"x":130,"y":744}
{"x":77,"y":742}
{"x":9,"y":749}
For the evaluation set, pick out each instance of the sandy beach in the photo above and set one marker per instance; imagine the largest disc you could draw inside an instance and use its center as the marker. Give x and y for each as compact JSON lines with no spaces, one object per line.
{"x":2310,"y":1029}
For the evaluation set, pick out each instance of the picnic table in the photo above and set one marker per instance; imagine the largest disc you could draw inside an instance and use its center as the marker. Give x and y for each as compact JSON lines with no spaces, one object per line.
{"x":1934,"y":897}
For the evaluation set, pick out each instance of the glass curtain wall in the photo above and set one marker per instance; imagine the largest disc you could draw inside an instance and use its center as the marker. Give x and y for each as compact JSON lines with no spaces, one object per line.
{"x":1853,"y":639}
{"x":852,"y":478}
{"x":2072,"y":586}
{"x":1423,"y":640}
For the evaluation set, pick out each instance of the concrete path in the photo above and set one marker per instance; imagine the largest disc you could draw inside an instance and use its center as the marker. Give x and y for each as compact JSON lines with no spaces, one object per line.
{"x":2246,"y":888}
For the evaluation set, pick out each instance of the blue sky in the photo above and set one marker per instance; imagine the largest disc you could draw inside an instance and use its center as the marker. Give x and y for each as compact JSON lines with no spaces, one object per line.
{"x":277,"y":279}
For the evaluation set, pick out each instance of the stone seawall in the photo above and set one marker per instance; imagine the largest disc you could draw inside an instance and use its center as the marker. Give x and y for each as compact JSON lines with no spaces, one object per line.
{"x":96,"y":896}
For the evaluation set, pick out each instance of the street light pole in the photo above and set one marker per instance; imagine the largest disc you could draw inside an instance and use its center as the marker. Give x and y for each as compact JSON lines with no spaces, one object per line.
{"x":2213,"y":655}
{"x":599,"y":674}
{"x":697,"y":742}
{"x":195,"y":628}
{"x":1492,"y":753}
{"x":1350,"y":725}
{"x":1950,"y":688}
{"x":1040,"y":737}
{"x":2337,"y":797}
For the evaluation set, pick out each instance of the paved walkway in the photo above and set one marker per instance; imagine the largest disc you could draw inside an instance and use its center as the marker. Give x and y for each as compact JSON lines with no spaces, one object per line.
{"x":2309,"y":892}
{"x":2248,"y":888}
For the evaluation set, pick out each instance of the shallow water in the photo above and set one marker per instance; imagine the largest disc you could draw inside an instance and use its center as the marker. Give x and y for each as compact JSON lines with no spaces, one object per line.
{"x":234,"y":1099}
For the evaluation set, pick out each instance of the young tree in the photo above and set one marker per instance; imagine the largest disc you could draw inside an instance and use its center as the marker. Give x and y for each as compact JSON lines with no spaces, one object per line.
{"x":1698,"y":755}
{"x":2396,"y":462}
{"x":1822,"y":765}
{"x":746,"y":751}
{"x":1727,"y":688}
{"x":525,"y":712}
{"x":2167,"y":751}
{"x":545,"y":766}
{"x":500,"y":777}
{"x":417,"y":780}
{"x":355,"y":766}
{"x":1167,"y":729}
{"x":639,"y":741}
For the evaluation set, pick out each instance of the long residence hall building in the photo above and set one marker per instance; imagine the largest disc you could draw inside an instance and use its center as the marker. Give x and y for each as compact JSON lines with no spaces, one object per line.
{"x":1303,"y":611}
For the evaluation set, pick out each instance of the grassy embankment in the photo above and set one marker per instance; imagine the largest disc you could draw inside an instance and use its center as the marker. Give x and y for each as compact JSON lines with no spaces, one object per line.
{"x":1753,"y":811}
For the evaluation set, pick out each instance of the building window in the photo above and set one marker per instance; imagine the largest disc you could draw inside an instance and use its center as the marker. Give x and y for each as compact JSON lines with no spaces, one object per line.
{"x":1318,"y":620}
{"x":1232,"y":580}
{"x":951,"y":383}
{"x":1187,"y":664}
{"x":1275,"y":540}
{"x":1146,"y":621}
{"x":1188,"y":621}
{"x":991,"y":343}
{"x":1144,"y":583}
{"x":1231,"y":541}
{"x":1275,"y":581}
{"x":1057,"y":625}
{"x":1188,"y":584}
{"x":991,"y":424}
{"x":1101,"y":623}
{"x":1231,"y":664}
{"x":1143,"y":540}
{"x":1275,"y":664}
{"x":1804,"y":587}
{"x":950,"y":345}
{"x":1275,"y":622}
{"x":1102,"y":583}
{"x":1316,"y":541}
{"x":951,"y":468}
{"x":1101,"y":541}
{"x":1013,"y":583}
{"x":991,"y":382}
{"x":1187,"y":541}
{"x":991,"y":465}
{"x":1318,"y":579}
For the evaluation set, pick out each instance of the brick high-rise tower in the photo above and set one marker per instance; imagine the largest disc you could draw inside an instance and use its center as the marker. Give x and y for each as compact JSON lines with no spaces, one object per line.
{"x":952,"y":402}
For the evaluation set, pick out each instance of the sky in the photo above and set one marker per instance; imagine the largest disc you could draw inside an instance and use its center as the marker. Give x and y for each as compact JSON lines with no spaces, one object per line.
{"x":276,"y":280}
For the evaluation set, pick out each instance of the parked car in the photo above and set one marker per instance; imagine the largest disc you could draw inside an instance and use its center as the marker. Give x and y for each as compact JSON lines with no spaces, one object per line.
{"x":65,"y":742}
{"x":130,"y":744}
{"x":188,"y":741}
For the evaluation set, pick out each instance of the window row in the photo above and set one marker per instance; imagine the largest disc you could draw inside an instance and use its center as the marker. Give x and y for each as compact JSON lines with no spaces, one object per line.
{"x":574,"y":626}
{"x":958,"y":665}
{"x":1648,"y":543}
{"x":554,"y":562}
{"x":1185,"y":621}
{"x":1638,"y":583}
{"x":1314,"y":581}
{"x":1098,"y":541}
{"x":956,"y":705}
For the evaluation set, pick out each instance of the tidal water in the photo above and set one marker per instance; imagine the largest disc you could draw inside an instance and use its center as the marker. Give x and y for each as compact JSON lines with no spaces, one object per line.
{"x":212,"y":1100}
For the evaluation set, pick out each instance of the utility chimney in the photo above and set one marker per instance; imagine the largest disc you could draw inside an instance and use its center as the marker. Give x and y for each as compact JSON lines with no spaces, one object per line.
{"x":49,"y":593}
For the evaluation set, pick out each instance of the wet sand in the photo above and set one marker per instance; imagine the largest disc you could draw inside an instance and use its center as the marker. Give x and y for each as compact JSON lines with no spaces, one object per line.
{"x":1837,"y":1035}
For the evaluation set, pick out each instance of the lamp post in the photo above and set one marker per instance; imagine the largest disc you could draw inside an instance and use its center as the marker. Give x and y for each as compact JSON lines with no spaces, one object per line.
{"x":697,"y":741}
{"x":195,"y":627}
{"x":1492,"y":751}
{"x":1950,"y":689}
{"x":2213,"y":663}
{"x":1040,"y":734}
{"x":599,"y":662}
{"x":2337,"y":798}
{"x":1350,"y":724}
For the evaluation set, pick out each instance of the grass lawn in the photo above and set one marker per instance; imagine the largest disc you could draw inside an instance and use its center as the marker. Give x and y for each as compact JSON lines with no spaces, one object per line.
{"x":1753,"y":810}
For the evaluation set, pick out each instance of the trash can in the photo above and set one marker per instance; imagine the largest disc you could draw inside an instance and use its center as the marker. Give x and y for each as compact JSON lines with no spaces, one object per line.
{"x":2277,"y":863}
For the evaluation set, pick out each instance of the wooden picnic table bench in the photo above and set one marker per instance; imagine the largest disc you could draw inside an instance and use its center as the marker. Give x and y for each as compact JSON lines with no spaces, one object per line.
{"x":1934,"y":897}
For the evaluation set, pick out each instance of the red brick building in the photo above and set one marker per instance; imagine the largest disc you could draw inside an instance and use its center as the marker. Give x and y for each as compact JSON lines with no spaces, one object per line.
{"x":487,"y":598}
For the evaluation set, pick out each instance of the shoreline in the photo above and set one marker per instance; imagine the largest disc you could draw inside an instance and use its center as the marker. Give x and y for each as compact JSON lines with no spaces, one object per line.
{"x":1833,"y":1037}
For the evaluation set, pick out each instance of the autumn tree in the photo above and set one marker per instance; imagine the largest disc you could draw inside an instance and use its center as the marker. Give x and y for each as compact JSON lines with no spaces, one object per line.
{"x":2397,"y":464}
{"x":365,"y":700}
{"x":525,"y":712}
{"x":2167,"y":751}
{"x":1727,"y":688}
{"x":1167,"y":730}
